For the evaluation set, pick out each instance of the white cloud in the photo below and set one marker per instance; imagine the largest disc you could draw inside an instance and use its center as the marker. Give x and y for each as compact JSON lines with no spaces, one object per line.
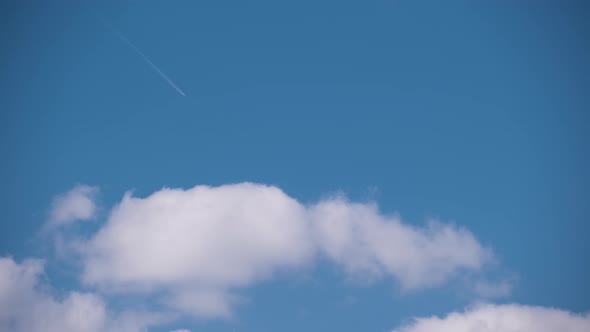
{"x":28,"y":305}
{"x":203,"y":241}
{"x":503,"y":318}
{"x":198,"y":246}
{"x":363,"y":240}
{"x":76,"y":204}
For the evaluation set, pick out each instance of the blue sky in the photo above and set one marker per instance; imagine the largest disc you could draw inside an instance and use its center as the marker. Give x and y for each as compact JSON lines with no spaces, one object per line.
{"x":471,"y":113}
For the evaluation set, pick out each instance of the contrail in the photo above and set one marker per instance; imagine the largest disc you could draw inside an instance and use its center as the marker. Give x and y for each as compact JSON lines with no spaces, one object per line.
{"x":138,"y":51}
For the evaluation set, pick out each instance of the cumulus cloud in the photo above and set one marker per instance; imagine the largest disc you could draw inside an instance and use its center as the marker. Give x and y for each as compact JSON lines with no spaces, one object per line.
{"x":76,"y":204}
{"x":363,"y":240}
{"x":27,"y":305}
{"x":195,"y":247}
{"x":503,"y":318}
{"x":200,"y":242}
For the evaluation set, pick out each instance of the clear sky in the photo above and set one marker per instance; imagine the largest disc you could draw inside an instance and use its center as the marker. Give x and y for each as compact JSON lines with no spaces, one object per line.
{"x":471,"y":113}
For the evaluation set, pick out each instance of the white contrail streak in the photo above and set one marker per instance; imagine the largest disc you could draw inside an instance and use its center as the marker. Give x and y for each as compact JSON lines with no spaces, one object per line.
{"x":138,"y":51}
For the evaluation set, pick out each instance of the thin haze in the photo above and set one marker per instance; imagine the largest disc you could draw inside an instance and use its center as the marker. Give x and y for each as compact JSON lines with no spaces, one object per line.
{"x":138,"y":51}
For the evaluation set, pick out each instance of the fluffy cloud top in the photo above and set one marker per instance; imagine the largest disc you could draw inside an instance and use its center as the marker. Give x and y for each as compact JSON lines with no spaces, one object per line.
{"x":197,"y":245}
{"x":503,"y":318}
{"x":27,"y":305}
{"x":76,"y":204}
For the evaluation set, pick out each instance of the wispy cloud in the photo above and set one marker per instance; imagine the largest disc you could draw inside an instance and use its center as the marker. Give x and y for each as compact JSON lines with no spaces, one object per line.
{"x":76,"y":204}
{"x":497,"y":289}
